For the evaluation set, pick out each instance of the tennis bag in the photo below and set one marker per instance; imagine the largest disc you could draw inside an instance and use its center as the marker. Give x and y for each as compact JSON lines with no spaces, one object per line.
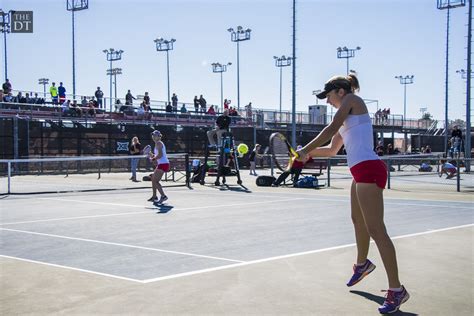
{"x":265,"y":181}
{"x":307,"y":182}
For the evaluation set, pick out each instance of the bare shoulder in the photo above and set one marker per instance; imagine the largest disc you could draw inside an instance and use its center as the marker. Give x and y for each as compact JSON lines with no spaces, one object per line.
{"x":356,"y":104}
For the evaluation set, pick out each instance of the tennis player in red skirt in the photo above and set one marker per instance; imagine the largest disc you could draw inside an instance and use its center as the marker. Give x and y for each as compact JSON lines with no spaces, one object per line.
{"x":352,"y":127}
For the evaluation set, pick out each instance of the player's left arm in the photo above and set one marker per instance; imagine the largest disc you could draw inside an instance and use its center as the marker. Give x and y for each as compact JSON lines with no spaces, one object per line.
{"x":329,"y":131}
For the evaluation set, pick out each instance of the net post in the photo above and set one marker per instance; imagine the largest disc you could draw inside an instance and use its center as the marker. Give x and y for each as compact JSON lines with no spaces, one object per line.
{"x":9,"y":175}
{"x":98,"y":173}
{"x":329,"y":172}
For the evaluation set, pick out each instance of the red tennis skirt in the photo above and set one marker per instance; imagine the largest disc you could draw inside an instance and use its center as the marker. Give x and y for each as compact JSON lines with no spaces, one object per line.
{"x":370,"y":171}
{"x":163,"y":166}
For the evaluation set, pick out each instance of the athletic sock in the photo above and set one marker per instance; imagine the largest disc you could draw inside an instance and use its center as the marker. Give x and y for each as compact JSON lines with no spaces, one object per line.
{"x":361,"y":264}
{"x":396,"y":289}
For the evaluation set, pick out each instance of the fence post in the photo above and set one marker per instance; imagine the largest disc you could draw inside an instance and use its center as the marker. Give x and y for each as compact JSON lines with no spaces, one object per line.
{"x":188,"y":170}
{"x":389,"y":166}
{"x":458,"y":175}
{"x":9,"y":175}
{"x":271,"y":164}
{"x":329,"y":172}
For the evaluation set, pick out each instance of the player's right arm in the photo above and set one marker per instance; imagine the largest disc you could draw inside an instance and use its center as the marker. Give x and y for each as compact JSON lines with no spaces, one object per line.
{"x":328,"y":151}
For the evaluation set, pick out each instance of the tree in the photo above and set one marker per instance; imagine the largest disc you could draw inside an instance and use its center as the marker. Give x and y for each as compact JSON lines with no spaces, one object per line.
{"x":427,"y":116}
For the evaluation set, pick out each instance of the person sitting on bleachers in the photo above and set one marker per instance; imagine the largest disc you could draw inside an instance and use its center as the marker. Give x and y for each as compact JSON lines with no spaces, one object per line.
{"x":211,"y":110}
{"x":75,"y":109}
{"x":65,"y":107}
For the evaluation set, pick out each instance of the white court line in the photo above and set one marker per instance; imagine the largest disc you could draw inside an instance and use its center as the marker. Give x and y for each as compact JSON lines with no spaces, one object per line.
{"x":227,"y":266}
{"x":74,"y":269}
{"x":136,"y":206}
{"x":291,"y":255}
{"x":121,"y":245}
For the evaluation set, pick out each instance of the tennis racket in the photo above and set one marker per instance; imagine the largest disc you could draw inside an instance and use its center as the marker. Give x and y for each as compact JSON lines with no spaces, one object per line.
{"x":146,"y":151}
{"x":282,"y":153}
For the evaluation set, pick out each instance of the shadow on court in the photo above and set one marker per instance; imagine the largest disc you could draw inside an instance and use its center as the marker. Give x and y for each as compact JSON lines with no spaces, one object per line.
{"x":379,"y":300}
{"x":163,"y":209}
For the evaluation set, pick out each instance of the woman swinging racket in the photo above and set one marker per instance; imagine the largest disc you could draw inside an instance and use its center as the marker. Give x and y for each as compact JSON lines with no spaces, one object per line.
{"x":352,"y":128}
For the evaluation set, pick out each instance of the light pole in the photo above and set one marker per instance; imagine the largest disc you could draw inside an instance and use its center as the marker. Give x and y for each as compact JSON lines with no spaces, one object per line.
{"x":315,"y":93}
{"x":281,"y":62}
{"x":44,"y":82}
{"x":238,"y":36}
{"x":344,"y":52}
{"x":163,"y":45}
{"x":220,"y":68}
{"x":447,"y":5}
{"x":73,"y":6}
{"x":404,"y":80}
{"x":114,"y":72}
{"x":112,"y":55}
{"x":5,"y":28}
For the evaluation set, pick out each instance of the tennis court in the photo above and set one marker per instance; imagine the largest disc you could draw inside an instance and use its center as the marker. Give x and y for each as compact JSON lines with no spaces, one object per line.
{"x":226,"y":250}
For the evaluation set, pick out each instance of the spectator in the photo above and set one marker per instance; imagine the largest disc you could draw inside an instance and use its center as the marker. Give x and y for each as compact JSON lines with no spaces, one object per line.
{"x":174,"y":100}
{"x":129,"y":98}
{"x":91,"y":107}
{"x":7,"y":87}
{"x":427,"y":149}
{"x":384,"y":116}
{"x":456,"y":132}
{"x":183,"y":109}
{"x":203,"y":104}
{"x":65,"y":107}
{"x":196,"y":104}
{"x":8,"y":97}
{"x":211,"y":110}
{"x":53,"y":90}
{"x":1,"y":95}
{"x":76,"y":109}
{"x":61,"y":93}
{"x":134,"y":149}
{"x":455,"y":147}
{"x":27,"y":98}
{"x":253,"y":157}
{"x":447,"y":168}
{"x":233,"y":111}
{"x":378,"y":116}
{"x":146,"y":99}
{"x":248,"y":110}
{"x":141,"y":110}
{"x":222,"y":126}
{"x":226,"y":104}
{"x":169,"y":108}
{"x":389,"y":149}
{"x":379,"y":150}
{"x":99,"y":94}
{"x":20,"y":98}
{"x":84,"y":102}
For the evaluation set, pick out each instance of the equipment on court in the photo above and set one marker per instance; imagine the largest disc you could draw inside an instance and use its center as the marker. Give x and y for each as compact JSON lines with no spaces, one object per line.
{"x":282,"y":153}
{"x":226,"y":158}
{"x":242,"y":149}
{"x":265,"y":181}
{"x":307,"y":182}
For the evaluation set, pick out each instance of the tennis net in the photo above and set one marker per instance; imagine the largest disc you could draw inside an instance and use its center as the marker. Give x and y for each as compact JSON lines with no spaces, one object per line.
{"x":82,"y":174}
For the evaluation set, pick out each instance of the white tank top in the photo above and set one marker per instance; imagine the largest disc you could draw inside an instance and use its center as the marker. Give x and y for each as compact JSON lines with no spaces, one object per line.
{"x":357,"y":135}
{"x":164,"y":158}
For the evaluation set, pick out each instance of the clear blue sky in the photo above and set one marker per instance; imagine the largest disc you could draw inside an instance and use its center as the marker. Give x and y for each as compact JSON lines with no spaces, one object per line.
{"x":397,"y":37}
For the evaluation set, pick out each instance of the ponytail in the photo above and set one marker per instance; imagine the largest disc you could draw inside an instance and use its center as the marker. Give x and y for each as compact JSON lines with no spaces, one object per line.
{"x":354,"y":82}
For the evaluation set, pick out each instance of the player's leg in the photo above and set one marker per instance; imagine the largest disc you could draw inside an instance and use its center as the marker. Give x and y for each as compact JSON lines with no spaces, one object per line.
{"x":370,"y":198}
{"x":363,"y":266}
{"x":157,"y":177}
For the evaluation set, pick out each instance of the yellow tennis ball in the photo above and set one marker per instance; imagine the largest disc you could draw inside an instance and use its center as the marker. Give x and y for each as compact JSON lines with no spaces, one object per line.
{"x":242,"y":149}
